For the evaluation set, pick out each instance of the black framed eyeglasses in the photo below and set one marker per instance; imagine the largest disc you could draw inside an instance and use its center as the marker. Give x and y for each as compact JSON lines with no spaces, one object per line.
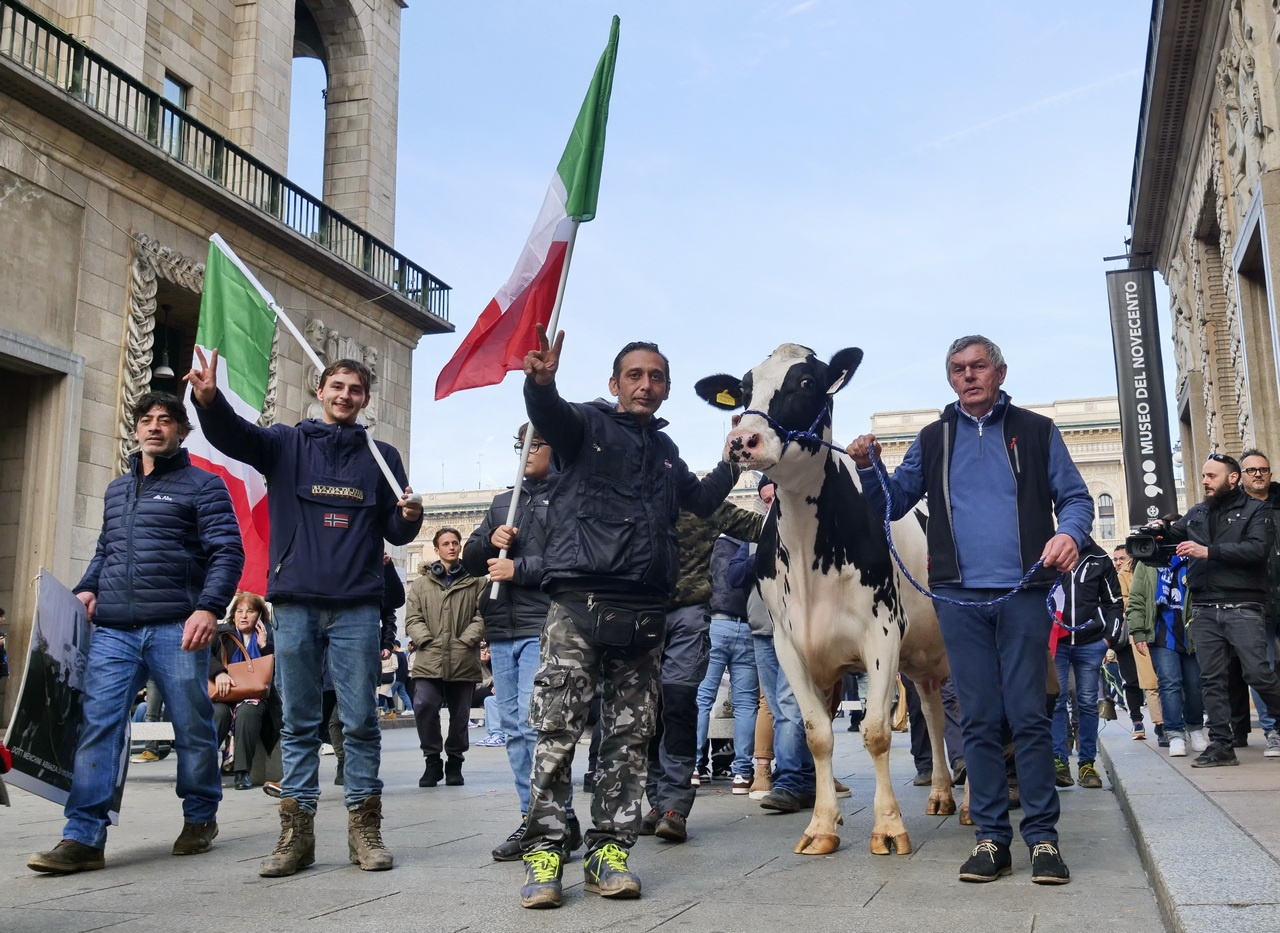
{"x":1232,"y":463}
{"x":1257,"y":471}
{"x":533,"y":448}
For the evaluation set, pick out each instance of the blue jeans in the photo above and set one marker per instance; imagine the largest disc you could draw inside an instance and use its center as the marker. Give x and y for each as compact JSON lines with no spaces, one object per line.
{"x":1181,"y":701}
{"x":999,"y":661}
{"x":1086,"y":661}
{"x":352,"y":634}
{"x":732,"y":648}
{"x":792,"y":760}
{"x":119,"y":664}
{"x":398,"y":689}
{"x":514,"y":663}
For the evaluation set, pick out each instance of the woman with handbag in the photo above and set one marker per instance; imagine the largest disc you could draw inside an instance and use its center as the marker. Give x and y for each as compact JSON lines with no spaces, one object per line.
{"x":240,"y":668}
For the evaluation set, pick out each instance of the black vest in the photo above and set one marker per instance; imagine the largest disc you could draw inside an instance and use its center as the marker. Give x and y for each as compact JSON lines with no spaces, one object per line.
{"x":1026,"y":437}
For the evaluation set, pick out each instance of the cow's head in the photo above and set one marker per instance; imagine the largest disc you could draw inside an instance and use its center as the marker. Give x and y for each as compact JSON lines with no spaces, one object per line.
{"x":792,"y":387}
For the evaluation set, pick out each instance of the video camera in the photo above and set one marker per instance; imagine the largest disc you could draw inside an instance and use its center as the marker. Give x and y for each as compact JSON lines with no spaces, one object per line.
{"x":1147,"y":544}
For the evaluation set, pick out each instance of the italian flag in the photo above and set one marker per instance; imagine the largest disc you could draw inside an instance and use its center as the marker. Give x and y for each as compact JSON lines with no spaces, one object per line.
{"x":504,"y":332}
{"x":237,"y":318}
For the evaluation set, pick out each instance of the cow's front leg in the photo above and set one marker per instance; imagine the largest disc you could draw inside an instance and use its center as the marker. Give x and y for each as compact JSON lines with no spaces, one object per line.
{"x":941,"y":802}
{"x":882,"y":688}
{"x":820,"y":838}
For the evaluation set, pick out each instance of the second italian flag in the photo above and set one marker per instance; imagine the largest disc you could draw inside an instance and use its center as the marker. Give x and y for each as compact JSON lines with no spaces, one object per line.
{"x":504,"y":332}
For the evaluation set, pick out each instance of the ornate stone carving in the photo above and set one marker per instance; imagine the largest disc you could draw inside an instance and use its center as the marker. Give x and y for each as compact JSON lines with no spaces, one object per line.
{"x":331,"y":346}
{"x":1246,"y":129}
{"x":151,"y":262}
{"x":268,"y":416}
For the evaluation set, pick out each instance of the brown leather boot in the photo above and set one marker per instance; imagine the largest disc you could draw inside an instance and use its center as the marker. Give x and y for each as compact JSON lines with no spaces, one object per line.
{"x":297,"y":846}
{"x":364,"y":836}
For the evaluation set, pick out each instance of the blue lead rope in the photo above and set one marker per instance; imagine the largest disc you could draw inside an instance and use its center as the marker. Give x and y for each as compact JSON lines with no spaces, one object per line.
{"x":811,"y":435}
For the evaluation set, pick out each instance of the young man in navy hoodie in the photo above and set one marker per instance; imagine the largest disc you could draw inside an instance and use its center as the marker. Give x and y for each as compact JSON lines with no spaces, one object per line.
{"x":996,"y":476}
{"x":330,"y":510}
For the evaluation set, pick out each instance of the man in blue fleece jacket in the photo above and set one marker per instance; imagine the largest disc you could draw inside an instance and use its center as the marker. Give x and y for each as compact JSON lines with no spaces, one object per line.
{"x":995,"y":475}
{"x":331,"y":510}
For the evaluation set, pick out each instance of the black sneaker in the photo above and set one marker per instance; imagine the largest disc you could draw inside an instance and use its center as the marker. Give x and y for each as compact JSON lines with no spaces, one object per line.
{"x":512,"y":848}
{"x":607,"y":874}
{"x":1062,"y":772}
{"x":784,"y":801}
{"x":1217,"y":755}
{"x":542,"y":872}
{"x":990,"y":860}
{"x":433,"y":773}
{"x":671,"y":827}
{"x":573,"y":833}
{"x":649,"y":822}
{"x":1047,"y":866}
{"x":1088,"y":775}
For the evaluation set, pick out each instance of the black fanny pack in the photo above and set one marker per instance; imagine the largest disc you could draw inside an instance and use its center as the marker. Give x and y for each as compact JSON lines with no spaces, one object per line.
{"x":617,"y":624}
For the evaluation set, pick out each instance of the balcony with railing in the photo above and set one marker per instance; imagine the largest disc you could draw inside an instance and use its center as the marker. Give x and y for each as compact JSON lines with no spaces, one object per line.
{"x":40,"y":48}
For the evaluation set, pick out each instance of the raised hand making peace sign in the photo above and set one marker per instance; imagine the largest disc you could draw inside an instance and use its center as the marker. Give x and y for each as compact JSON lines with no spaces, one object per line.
{"x":543,"y":362}
{"x":204,"y":381}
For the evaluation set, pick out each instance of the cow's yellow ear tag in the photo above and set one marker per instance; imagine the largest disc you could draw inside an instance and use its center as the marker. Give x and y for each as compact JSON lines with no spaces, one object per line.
{"x":724,"y":398}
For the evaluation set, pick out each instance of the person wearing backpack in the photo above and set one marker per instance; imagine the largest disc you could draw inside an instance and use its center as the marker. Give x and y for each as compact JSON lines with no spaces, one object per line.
{"x":1086,"y":607}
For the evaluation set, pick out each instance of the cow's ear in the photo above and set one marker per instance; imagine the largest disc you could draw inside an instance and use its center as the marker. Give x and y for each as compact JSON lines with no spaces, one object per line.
{"x":842,"y":367}
{"x":720,"y":391}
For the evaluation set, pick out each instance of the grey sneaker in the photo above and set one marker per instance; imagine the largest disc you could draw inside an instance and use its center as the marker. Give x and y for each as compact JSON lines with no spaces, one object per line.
{"x":1273,"y":745}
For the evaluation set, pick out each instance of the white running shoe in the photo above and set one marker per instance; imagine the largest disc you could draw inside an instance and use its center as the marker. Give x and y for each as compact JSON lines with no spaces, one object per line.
{"x":1199,"y":741}
{"x":1177,"y":748}
{"x":1273,"y":745}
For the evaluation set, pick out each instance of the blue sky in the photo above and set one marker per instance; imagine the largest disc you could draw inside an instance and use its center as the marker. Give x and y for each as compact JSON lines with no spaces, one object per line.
{"x":887,"y":176}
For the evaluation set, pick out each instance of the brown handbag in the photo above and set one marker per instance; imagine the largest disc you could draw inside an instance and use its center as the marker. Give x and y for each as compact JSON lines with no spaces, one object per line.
{"x":252,"y":677}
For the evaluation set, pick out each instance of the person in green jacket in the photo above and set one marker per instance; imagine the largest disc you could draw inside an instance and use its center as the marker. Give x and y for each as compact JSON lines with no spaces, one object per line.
{"x":442,"y":618}
{"x":1159,"y":620}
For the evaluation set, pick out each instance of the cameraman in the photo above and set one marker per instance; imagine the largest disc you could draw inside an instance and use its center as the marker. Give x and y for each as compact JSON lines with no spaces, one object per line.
{"x":1226,"y":540}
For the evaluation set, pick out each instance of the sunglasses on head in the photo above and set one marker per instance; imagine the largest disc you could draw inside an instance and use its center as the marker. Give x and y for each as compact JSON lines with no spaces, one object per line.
{"x":1232,"y":463}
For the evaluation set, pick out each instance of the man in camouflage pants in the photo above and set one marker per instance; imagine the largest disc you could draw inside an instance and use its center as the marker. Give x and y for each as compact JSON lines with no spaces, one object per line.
{"x":616,"y":487}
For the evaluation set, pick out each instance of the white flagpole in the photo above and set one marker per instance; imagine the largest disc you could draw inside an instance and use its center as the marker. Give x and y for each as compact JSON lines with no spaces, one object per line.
{"x":552,"y":325}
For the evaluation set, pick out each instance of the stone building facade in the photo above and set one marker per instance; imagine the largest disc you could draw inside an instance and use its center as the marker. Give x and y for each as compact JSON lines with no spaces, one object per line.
{"x":121,"y":151}
{"x":1091,"y":429}
{"x":1205,"y":213}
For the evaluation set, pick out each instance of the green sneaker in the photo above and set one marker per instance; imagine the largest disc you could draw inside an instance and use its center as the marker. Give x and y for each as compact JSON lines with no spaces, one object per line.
{"x":607,"y":875}
{"x":1088,"y":775}
{"x":542,"y":871}
{"x":1062,"y":772}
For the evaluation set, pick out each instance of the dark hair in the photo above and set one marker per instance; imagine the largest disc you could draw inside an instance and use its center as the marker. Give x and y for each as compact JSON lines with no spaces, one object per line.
{"x":171,"y":404}
{"x":640,"y":345}
{"x":520,"y":433}
{"x":435,"y":541}
{"x":350,"y":366}
{"x":1254,"y":452}
{"x":764,"y":481}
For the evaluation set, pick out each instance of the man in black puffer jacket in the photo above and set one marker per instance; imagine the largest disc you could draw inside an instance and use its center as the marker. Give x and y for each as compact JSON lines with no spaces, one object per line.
{"x":168,"y":560}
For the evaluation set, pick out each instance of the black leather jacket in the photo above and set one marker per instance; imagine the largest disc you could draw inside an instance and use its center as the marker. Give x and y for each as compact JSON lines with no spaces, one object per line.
{"x":616,"y":489}
{"x":1239,"y":532}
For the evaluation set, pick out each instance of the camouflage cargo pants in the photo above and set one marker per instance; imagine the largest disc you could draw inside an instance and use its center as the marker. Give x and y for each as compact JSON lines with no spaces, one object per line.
{"x":571,"y":665}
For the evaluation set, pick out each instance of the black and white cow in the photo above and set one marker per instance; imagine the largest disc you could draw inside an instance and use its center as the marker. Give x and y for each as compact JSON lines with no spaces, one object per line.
{"x":838,"y":600}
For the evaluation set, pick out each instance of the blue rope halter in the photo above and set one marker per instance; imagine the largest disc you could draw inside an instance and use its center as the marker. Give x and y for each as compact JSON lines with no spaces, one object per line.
{"x":810,"y":434}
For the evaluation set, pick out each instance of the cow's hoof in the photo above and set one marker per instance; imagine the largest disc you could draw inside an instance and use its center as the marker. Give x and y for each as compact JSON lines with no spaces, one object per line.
{"x":817,"y":844}
{"x":940,"y":807}
{"x":965,"y":818}
{"x":883,"y":843}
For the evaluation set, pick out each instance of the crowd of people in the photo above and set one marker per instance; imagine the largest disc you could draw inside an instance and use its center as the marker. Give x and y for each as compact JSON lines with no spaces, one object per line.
{"x":622,"y":592}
